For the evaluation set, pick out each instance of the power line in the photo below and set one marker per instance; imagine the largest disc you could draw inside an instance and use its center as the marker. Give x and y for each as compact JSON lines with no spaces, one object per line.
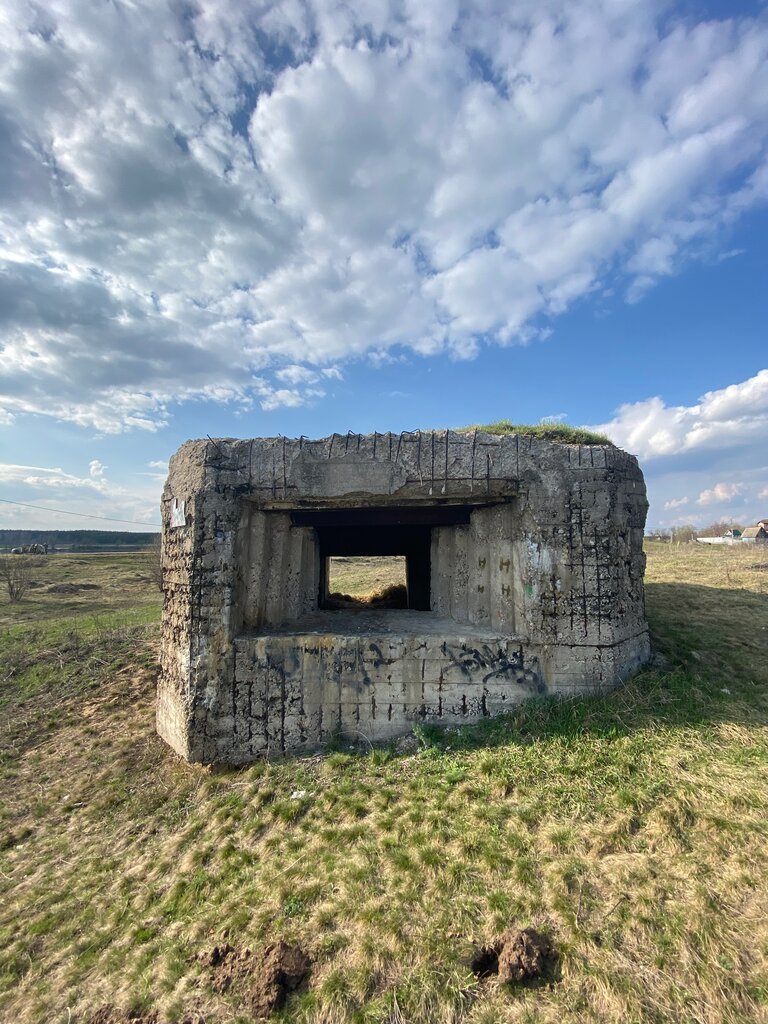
{"x":82,"y":515}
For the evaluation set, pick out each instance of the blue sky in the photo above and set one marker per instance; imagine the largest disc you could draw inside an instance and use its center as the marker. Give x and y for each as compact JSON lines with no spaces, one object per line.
{"x":249,"y":219}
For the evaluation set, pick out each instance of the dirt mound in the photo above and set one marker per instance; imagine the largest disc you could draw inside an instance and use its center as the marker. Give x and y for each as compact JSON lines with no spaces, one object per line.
{"x":72,"y":588}
{"x":525,"y":955}
{"x":263,"y":981}
{"x":109,"y":1014}
{"x":520,"y":955}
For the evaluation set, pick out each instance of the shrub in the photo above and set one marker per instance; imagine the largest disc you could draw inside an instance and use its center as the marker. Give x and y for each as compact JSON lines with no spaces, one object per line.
{"x":15,"y":575}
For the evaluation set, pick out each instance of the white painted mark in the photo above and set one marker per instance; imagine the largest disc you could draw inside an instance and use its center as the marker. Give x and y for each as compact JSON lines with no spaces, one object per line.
{"x":178,"y":513}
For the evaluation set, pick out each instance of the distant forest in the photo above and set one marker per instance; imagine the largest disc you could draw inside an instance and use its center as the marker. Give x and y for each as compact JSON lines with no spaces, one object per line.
{"x":76,"y":540}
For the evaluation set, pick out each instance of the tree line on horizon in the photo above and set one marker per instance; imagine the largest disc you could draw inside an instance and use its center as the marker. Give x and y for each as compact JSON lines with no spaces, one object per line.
{"x":74,"y":539}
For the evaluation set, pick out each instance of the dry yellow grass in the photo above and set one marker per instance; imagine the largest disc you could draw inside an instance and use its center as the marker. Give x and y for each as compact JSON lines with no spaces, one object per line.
{"x":633,"y":828}
{"x":360,"y":577}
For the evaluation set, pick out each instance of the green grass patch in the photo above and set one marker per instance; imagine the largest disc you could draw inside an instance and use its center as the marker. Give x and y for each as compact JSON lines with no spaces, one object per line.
{"x":559,"y":432}
{"x":631,"y":827}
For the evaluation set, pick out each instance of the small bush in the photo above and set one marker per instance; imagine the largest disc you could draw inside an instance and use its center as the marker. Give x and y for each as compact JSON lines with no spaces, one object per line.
{"x":15,"y":575}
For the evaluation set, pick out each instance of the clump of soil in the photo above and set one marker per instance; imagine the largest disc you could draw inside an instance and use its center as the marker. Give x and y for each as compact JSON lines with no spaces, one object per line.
{"x":520,"y":955}
{"x":72,"y":588}
{"x":263,"y":981}
{"x":526,"y":954}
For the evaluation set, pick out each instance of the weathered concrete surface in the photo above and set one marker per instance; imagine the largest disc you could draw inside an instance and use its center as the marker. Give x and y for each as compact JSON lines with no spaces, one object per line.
{"x":540,"y":591}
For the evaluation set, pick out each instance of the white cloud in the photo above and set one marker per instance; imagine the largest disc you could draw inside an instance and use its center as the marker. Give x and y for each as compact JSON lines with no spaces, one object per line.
{"x":73,"y":497}
{"x":682,"y":447}
{"x":161,"y":464}
{"x":43,"y":478}
{"x":276,"y":398}
{"x":730,"y":417}
{"x":719,"y":493}
{"x":296,"y":375}
{"x":558,"y":417}
{"x":729,"y":255}
{"x":224,"y":200}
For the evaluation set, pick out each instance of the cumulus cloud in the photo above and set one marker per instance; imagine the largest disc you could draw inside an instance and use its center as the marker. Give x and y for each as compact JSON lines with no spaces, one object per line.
{"x":271,"y":397}
{"x":731,"y":417}
{"x":719,"y":493}
{"x":682,"y":447}
{"x":296,"y":375}
{"x":96,"y":469}
{"x":222,"y":201}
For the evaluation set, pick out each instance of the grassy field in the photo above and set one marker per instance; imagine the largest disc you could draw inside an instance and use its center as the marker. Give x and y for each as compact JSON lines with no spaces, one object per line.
{"x":362,"y":576}
{"x":631,"y":828}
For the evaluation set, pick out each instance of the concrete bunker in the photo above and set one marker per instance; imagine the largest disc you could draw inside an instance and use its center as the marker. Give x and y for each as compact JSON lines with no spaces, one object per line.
{"x":524,"y":574}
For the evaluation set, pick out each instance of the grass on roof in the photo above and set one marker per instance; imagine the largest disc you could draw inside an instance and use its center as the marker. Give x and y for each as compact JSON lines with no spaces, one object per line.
{"x":548,"y":431}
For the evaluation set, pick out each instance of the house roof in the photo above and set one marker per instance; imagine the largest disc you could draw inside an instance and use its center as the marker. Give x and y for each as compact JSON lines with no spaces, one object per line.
{"x":753,"y":531}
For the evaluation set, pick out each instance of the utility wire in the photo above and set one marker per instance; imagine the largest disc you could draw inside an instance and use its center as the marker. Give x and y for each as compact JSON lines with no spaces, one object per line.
{"x":82,"y":515}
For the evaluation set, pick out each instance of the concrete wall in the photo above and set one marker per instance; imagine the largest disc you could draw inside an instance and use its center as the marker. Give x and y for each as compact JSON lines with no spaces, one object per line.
{"x":474,"y":573}
{"x":281,"y":572}
{"x":551,"y":563}
{"x":293,"y":691}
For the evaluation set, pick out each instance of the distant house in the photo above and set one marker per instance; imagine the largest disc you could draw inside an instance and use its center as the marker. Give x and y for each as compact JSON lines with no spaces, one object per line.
{"x":756,"y":534}
{"x":729,"y":537}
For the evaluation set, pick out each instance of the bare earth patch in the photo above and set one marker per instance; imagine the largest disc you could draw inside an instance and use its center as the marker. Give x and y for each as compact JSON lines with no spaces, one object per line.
{"x":525,"y":955}
{"x":262,"y":981}
{"x":520,"y":955}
